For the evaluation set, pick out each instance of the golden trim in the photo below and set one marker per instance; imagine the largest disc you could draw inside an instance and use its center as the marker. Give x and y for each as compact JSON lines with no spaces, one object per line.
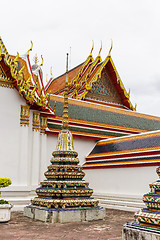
{"x":41,"y":63}
{"x":7,"y":59}
{"x":30,"y":49}
{"x":100,"y":49}
{"x":92,"y":48}
{"x":43,"y":124}
{"x":24,"y":115}
{"x":23,"y":86}
{"x":89,"y":58}
{"x":109,"y":54}
{"x":88,"y":86}
{"x":84,"y":79}
{"x":51,"y":72}
{"x":94,"y":79}
{"x":16,"y":60}
{"x":6,"y":82}
{"x":121,"y":84}
{"x":36,"y":121}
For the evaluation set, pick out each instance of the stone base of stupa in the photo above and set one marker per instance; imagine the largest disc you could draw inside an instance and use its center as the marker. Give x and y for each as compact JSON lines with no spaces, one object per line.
{"x":133,"y":232}
{"x":64,"y":215}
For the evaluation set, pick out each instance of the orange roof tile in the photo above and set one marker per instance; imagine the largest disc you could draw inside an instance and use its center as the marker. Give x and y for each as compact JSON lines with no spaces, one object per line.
{"x":58,"y":83}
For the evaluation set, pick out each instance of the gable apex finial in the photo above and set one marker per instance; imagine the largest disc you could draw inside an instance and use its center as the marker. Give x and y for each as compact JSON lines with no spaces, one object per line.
{"x":41,"y":62}
{"x":30,"y":48}
{"x":92,"y":48}
{"x":109,"y":54}
{"x":100,"y":49}
{"x":51,"y":72}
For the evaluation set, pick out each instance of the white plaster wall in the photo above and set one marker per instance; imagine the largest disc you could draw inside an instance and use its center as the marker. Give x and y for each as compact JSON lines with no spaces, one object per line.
{"x":43,"y":156}
{"x":10,"y":103}
{"x":51,"y":146}
{"x":121,"y":181}
{"x":82,"y":146}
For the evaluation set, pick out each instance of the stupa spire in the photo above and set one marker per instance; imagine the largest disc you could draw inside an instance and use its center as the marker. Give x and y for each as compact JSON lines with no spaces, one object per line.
{"x":64,"y":195}
{"x":65,"y":120}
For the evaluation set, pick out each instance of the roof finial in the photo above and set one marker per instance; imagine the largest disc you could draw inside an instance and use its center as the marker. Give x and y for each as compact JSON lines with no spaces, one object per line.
{"x":51,"y":72}
{"x":109,"y":54}
{"x":35,"y":59}
{"x":100,"y":49}
{"x":92,"y":48}
{"x":30,"y":48}
{"x":47,"y":78}
{"x":65,"y":107}
{"x":41,"y":62}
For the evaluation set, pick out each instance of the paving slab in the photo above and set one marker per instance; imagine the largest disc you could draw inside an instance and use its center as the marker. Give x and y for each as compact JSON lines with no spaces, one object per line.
{"x":23,"y":228}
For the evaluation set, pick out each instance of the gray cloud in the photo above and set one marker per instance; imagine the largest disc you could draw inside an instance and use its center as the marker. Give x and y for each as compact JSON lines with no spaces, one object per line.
{"x":55,"y":26}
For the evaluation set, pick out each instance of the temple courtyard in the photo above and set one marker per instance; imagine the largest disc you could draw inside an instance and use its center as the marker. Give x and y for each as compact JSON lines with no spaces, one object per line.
{"x":23,"y":228}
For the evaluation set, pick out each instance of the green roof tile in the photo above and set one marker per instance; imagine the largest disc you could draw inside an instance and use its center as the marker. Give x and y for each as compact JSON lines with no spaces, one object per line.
{"x":112,"y":118}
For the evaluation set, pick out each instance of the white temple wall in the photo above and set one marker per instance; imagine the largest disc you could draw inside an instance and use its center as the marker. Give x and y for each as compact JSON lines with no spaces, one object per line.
{"x":121,"y":188}
{"x":25,"y":155}
{"x":51,"y":146}
{"x":20,"y":149}
{"x":35,"y":160}
{"x":83,"y":146}
{"x":10,"y":132}
{"x":43,"y":156}
{"x":127,"y":181}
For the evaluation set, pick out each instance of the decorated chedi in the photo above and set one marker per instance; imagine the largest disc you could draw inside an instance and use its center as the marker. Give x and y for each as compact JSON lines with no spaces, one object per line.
{"x":147,"y":220}
{"x":64,"y":194}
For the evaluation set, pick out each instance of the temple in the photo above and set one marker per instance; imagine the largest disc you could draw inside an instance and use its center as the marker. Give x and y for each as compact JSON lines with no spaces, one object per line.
{"x":94,"y":80}
{"x":118,"y":147}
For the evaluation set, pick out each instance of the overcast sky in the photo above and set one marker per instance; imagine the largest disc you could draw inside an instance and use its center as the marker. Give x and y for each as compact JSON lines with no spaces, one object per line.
{"x":57,"y":27}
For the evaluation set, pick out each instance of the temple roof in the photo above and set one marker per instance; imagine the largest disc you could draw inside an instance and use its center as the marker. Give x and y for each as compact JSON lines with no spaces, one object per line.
{"x":99,"y":121}
{"x":59,"y":82}
{"x":130,"y":151}
{"x":16,"y":72}
{"x":89,"y":117}
{"x":83,"y":77}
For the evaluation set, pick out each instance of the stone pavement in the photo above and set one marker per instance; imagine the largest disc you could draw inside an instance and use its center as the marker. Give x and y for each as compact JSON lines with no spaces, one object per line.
{"x":23,"y":228}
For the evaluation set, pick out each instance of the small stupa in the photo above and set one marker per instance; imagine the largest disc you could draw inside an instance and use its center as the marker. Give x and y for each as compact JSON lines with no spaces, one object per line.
{"x":147,"y":220}
{"x":64,"y":196}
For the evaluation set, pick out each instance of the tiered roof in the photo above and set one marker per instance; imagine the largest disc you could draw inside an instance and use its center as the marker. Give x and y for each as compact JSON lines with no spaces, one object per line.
{"x":16,"y":72}
{"x":100,"y":121}
{"x":131,"y":151}
{"x":89,"y":117}
{"x":82,"y":78}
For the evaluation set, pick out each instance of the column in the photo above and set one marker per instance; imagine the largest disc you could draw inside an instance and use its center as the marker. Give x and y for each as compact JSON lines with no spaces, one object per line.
{"x":43,"y":154}
{"x":23,"y":152}
{"x":35,"y":159}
